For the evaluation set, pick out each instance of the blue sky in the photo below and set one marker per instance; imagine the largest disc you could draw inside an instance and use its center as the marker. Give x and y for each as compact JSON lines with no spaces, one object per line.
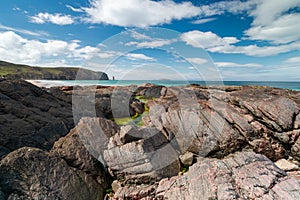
{"x":143,"y":39}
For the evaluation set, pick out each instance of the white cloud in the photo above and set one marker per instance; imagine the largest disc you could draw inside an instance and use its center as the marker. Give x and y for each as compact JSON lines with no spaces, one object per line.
{"x":16,"y":9}
{"x":74,"y":9}
{"x":268,"y":11}
{"x":214,"y":43}
{"x":139,"y":36}
{"x":14,"y":48}
{"x":150,"y":44}
{"x":137,"y":56}
{"x":136,"y":13}
{"x":203,"y":21}
{"x":57,"y":18}
{"x":197,"y":61}
{"x":231,"y":64}
{"x":222,"y":7}
{"x":293,"y":60}
{"x":207,"y":40}
{"x":23,"y":31}
{"x":273,"y":22}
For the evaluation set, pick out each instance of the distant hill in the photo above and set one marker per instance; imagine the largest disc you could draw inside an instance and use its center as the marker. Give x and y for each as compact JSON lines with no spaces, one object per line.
{"x":16,"y":71}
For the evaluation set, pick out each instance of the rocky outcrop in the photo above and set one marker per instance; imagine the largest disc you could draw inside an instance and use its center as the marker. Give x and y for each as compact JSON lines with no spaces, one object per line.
{"x":31,"y":173}
{"x":220,"y":122}
{"x":141,"y":155}
{"x":196,"y":143}
{"x":83,"y":147}
{"x":243,"y":175}
{"x":30,"y":116}
{"x":206,"y":124}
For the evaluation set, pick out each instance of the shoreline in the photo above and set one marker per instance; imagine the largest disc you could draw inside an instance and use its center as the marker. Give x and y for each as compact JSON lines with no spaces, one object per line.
{"x":295,"y":86}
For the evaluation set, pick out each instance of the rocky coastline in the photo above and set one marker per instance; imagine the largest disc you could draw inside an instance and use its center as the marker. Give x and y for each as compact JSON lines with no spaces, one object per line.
{"x":148,"y":142}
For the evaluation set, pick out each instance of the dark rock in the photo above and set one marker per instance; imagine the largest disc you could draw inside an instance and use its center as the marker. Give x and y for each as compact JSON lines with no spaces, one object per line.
{"x":82,"y":148}
{"x":151,"y":91}
{"x":138,"y":107}
{"x":30,"y":173}
{"x":30,"y":116}
{"x":297,"y":122}
{"x":2,"y":196}
{"x":3,"y":151}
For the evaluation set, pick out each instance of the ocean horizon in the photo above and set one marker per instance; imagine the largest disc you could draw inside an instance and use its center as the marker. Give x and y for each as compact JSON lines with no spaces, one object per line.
{"x":292,"y":85}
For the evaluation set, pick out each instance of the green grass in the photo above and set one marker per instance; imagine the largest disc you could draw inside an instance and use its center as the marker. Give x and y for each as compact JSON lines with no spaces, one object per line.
{"x":12,"y":69}
{"x":135,"y":120}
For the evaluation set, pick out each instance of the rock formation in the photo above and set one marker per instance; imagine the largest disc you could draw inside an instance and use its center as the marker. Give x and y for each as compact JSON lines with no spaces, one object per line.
{"x":30,"y":116}
{"x":194,"y":143}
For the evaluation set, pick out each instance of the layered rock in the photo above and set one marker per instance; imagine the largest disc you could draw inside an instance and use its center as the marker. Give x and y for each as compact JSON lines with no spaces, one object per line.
{"x":243,"y":175}
{"x":30,"y":116}
{"x":221,"y":122}
{"x":83,"y":147}
{"x":31,"y":173}
{"x":141,"y":155}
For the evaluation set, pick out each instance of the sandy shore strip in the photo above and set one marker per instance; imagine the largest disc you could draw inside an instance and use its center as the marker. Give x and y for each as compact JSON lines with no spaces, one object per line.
{"x":48,"y":84}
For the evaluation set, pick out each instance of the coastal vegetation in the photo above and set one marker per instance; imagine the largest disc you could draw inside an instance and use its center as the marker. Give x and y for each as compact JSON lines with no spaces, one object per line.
{"x":16,"y":71}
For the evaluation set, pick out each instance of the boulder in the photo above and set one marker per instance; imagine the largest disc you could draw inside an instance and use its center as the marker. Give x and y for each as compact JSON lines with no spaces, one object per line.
{"x":30,"y":116}
{"x":31,"y":173}
{"x":82,"y":148}
{"x":142,"y":160}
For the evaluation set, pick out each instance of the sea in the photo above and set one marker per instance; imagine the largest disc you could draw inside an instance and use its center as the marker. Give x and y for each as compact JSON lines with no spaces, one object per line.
{"x":276,"y":84}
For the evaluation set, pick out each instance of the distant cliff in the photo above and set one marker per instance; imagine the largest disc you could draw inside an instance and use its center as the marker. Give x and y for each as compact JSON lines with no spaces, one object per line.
{"x":15,"y":71}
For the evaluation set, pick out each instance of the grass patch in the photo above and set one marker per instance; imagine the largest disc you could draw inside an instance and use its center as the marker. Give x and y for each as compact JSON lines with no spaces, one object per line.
{"x":108,"y":191}
{"x":134,"y":120}
{"x":143,"y":98}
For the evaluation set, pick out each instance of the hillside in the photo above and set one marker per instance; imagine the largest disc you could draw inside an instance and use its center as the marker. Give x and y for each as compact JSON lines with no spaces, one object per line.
{"x":15,"y":71}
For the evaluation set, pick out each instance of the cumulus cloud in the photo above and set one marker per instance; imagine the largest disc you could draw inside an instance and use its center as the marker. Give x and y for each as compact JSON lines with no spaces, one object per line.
{"x":57,"y":18}
{"x":136,"y":13}
{"x":15,"y":48}
{"x":273,"y":22}
{"x":214,"y":43}
{"x":207,"y":40}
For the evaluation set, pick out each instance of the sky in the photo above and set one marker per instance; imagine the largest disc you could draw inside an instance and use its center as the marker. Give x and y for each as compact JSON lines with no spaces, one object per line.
{"x":253,"y":40}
